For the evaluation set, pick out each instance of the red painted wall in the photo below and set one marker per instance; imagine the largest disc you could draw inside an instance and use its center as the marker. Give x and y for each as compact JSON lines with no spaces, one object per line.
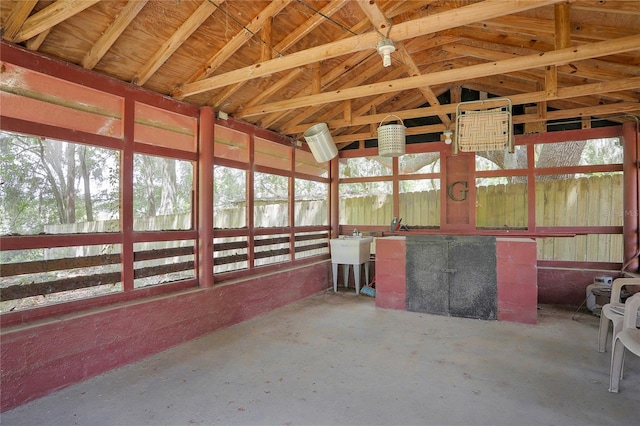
{"x":39,"y":358}
{"x":391,"y":275}
{"x":567,"y":286}
{"x":517,"y":280}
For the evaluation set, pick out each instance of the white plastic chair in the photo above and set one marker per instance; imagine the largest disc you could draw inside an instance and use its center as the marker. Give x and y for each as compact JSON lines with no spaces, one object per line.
{"x":627,"y":338}
{"x":612,"y":311}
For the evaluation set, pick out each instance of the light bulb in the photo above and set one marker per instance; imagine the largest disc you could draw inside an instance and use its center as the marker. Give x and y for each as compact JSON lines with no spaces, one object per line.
{"x":447,"y":136}
{"x":386,"y":59}
{"x":385,"y":49}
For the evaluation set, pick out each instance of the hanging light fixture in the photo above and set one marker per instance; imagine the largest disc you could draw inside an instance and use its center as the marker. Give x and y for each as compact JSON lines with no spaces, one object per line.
{"x":385,"y":49}
{"x":320,"y":142}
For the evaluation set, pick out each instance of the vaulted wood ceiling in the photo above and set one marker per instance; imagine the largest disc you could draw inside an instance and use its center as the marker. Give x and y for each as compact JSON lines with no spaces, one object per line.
{"x":288,"y":64}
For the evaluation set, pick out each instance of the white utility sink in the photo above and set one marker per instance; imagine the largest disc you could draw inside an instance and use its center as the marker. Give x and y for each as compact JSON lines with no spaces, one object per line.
{"x":350,"y":251}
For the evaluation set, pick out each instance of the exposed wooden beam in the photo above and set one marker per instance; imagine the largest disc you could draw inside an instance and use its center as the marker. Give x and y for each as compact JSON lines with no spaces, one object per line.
{"x":117,"y":27}
{"x":449,"y":19}
{"x":375,"y":16}
{"x":362,"y":72}
{"x":279,"y":85}
{"x":316,"y":78}
{"x":240,"y":39}
{"x":555,"y":57}
{"x":331,"y":76}
{"x":336,"y":72}
{"x":174,"y":42}
{"x":588,"y":68}
{"x":281,"y":47}
{"x":404,"y":57}
{"x":35,"y":42}
{"x":19,"y":14}
{"x":596,"y":111}
{"x":50,"y":16}
{"x":520,"y":99}
{"x":266,"y":34}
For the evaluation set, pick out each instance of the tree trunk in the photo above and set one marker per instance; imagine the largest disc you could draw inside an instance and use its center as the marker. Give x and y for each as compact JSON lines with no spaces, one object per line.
{"x":70,"y":195}
{"x":55,"y":190}
{"x":88,"y":204}
{"x":558,"y":155}
{"x":149,"y":187}
{"x":169,"y":192}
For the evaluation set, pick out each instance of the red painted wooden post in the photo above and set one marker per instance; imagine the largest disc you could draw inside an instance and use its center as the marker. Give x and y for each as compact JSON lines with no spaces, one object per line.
{"x":204,"y":199}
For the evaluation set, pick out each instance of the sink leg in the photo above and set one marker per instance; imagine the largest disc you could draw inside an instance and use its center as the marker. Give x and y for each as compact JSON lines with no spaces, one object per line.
{"x":345,"y":274}
{"x":335,"y":277}
{"x":366,"y":272}
{"x":356,"y":275}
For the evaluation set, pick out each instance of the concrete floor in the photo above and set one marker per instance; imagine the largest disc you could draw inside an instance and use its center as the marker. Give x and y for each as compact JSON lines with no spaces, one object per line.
{"x":336,"y":359}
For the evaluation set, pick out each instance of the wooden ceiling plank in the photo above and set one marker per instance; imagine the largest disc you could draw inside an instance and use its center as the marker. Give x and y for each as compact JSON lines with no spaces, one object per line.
{"x":545,"y":29}
{"x":464,"y":15}
{"x":219,"y":100}
{"x":631,"y":7}
{"x":50,"y":16}
{"x":172,"y":44}
{"x":117,"y":27}
{"x":278,"y":86}
{"x":555,"y":57}
{"x":19,"y":14}
{"x":588,"y":68}
{"x":309,"y":25}
{"x":273,"y":8}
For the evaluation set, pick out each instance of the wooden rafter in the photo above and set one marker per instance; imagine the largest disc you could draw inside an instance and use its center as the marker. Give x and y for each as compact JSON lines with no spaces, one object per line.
{"x":240,"y":38}
{"x":427,"y":25}
{"x":505,"y":66}
{"x":175,"y":41}
{"x":50,"y":16}
{"x":521,"y":99}
{"x":117,"y":27}
{"x":16,"y":19}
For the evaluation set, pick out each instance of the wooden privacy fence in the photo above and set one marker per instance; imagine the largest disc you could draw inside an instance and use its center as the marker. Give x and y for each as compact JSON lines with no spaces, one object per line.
{"x":583,"y":201}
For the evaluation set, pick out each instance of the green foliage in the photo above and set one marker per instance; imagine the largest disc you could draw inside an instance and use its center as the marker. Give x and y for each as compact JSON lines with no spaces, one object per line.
{"x":37,"y":174}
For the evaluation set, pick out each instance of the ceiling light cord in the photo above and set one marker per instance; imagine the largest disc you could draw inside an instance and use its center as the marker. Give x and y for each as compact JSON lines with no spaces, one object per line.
{"x":328,"y":18}
{"x":245,"y":28}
